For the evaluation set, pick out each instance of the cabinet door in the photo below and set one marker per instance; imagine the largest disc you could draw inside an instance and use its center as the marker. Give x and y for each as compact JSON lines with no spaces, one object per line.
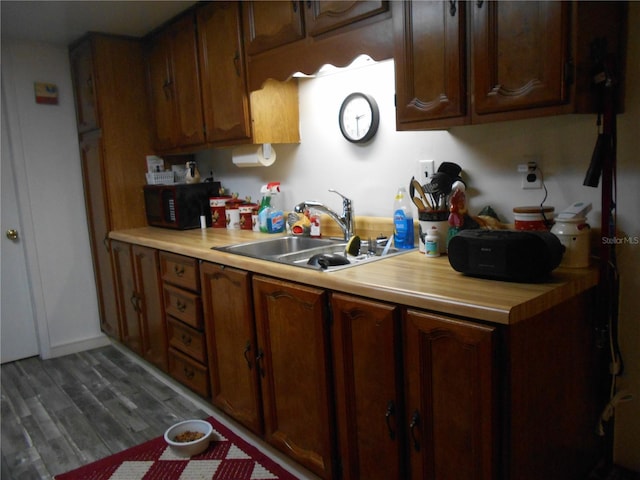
{"x":520,"y":53}
{"x":430,"y":46}
{"x":450,"y":397}
{"x":81,"y":58}
{"x":269,"y":24}
{"x":231,"y":343}
{"x":325,"y":15}
{"x":291,"y":323}
{"x":186,"y":82}
{"x":366,"y":341}
{"x":174,"y":86}
{"x":149,"y":292}
{"x":128,"y":300}
{"x":99,"y":226}
{"x":160,"y":87}
{"x":222,"y":72}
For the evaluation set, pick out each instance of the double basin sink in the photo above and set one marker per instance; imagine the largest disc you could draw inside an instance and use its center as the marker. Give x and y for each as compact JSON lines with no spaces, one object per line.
{"x":322,"y":254}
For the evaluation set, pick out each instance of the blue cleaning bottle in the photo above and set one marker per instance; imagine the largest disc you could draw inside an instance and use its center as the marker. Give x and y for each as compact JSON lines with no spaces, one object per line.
{"x":402,"y":220}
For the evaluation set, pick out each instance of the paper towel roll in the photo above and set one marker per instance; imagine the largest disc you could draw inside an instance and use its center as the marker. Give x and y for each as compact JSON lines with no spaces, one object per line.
{"x":254,"y":155}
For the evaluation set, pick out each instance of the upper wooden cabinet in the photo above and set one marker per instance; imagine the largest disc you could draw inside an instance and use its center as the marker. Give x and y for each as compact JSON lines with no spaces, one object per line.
{"x":174,"y":86}
{"x":521,"y":56}
{"x":197,"y":85}
{"x":222,"y":72}
{"x":322,"y":16}
{"x":525,"y":59}
{"x":271,"y":24}
{"x":430,"y":62}
{"x":282,"y":38}
{"x":81,"y":59}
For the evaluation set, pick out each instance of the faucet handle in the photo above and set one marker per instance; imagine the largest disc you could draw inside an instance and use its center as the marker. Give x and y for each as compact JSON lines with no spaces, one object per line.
{"x":345,"y":201}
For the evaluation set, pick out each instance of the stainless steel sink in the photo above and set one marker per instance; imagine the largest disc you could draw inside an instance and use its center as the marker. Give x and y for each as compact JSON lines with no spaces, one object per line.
{"x":298,"y":251}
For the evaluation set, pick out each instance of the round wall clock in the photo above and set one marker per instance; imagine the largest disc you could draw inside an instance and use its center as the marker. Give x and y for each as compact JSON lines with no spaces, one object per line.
{"x":359,"y":117}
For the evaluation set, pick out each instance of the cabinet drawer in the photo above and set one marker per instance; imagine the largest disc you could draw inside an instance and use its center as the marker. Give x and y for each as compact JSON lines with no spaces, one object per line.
{"x":180,"y":270}
{"x":183,"y":305}
{"x":186,"y":339}
{"x":189,"y":372}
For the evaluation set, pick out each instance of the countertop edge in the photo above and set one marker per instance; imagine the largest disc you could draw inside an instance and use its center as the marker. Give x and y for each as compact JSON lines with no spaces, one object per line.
{"x":372,"y":281}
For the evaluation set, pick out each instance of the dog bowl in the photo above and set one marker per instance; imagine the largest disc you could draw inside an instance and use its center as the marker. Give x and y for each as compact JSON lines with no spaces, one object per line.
{"x":192,"y":447}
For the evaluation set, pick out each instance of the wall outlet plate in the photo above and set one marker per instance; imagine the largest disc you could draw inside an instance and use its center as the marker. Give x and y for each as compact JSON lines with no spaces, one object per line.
{"x":531,"y":176}
{"x":426,"y":169}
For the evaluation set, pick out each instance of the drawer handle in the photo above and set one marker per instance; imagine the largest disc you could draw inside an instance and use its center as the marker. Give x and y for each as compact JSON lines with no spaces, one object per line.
{"x":186,"y":339}
{"x":178,"y":270}
{"x":415,"y":422}
{"x":391,"y":410}
{"x":189,"y":373}
{"x":258,"y":359}
{"x":245,"y":352}
{"x":135,"y":301}
{"x":181,"y":306}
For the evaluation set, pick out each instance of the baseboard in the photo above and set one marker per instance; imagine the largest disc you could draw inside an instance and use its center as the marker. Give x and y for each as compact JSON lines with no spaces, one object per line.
{"x":78,"y":346}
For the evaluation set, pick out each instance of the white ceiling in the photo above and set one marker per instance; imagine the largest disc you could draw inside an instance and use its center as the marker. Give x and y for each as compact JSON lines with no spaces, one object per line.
{"x":62,"y":22}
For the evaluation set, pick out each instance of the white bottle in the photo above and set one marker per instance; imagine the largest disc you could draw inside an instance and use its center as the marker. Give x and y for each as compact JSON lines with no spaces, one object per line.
{"x":431,"y":243}
{"x":402,"y":220}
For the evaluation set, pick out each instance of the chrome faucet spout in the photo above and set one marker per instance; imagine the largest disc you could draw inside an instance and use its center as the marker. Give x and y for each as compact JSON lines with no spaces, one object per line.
{"x":346,"y":221}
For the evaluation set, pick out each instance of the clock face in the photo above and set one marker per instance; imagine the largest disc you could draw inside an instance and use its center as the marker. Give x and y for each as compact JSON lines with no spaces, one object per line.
{"x":359,"y":117}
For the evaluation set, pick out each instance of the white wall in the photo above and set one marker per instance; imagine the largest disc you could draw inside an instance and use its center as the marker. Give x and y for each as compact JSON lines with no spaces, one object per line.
{"x":489,"y":154}
{"x":52,"y":207}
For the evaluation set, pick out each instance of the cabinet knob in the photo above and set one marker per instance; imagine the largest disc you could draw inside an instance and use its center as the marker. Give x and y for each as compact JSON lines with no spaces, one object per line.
{"x":12,"y":234}
{"x":178,"y":270}
{"x":181,"y":306}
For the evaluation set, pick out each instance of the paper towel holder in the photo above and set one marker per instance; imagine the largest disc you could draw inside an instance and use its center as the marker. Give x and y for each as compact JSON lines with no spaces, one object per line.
{"x":254,"y":155}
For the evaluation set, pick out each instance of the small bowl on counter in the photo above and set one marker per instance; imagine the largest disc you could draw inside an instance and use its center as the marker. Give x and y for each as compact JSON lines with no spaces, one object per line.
{"x":189,"y":437}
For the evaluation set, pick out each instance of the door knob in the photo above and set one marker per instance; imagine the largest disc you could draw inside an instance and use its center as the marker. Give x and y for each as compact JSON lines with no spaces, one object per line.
{"x":12,"y":234}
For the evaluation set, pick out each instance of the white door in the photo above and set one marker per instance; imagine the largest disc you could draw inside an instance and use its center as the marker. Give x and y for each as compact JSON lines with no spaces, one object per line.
{"x":17,"y":322}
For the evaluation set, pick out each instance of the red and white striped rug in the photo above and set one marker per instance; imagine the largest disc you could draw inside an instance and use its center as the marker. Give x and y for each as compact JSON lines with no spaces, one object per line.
{"x":228,"y":458}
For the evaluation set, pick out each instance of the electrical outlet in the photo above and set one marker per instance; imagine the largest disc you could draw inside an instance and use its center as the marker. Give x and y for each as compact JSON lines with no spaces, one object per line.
{"x":531,"y":176}
{"x":426,"y":169}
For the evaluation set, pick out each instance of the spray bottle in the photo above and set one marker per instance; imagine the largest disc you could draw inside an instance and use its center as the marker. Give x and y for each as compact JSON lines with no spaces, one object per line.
{"x":270,"y":216}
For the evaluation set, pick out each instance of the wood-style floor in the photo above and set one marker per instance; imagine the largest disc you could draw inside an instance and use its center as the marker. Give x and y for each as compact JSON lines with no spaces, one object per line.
{"x":65,"y":412}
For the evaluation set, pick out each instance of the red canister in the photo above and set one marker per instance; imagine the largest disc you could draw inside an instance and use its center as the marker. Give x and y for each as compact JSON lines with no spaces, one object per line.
{"x":533,"y":218}
{"x":218,"y":216}
{"x":245,"y":215}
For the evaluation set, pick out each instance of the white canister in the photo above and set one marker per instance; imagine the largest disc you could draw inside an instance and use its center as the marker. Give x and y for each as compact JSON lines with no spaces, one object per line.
{"x":573,"y":233}
{"x":428,"y":220}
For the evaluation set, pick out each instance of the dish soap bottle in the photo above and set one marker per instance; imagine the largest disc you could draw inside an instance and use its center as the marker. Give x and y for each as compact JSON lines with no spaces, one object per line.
{"x":402,"y":220}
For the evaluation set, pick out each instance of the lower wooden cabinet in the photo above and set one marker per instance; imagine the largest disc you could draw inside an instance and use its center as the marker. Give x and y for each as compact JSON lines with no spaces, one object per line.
{"x":294,"y":368}
{"x":354,"y":388}
{"x":189,"y":372}
{"x":231,"y":342}
{"x":368,"y":387}
{"x":451,"y":400}
{"x":188,"y":356}
{"x":137,"y":278}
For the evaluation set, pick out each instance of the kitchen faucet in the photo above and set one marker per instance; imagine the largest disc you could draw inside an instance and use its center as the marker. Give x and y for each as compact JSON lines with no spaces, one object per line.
{"x":346,"y":222}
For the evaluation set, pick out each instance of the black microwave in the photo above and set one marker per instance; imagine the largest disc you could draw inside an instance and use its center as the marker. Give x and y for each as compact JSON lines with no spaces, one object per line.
{"x":179,"y":206}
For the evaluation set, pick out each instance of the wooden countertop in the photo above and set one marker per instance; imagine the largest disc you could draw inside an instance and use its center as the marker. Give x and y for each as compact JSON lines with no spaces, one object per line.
{"x":410,"y":279}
